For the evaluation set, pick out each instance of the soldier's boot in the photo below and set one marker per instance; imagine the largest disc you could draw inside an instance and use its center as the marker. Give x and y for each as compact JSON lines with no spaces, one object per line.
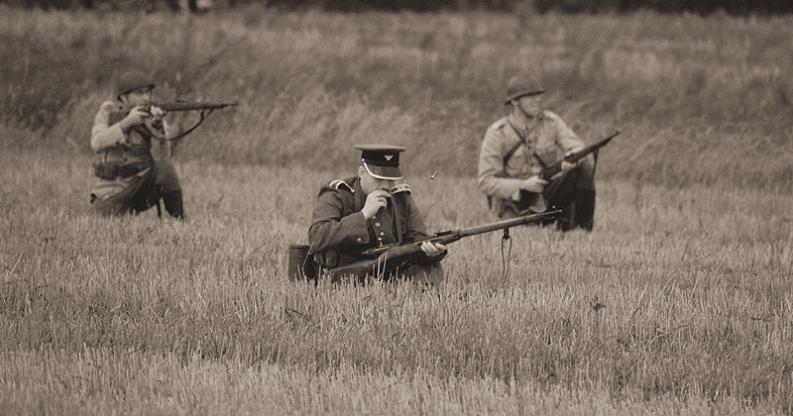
{"x":584,"y":199}
{"x":585,"y":209}
{"x":567,"y":220}
{"x":174,"y":204}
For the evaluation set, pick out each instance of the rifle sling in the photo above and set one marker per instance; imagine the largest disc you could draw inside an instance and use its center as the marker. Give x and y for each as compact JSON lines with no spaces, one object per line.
{"x":204,"y":115}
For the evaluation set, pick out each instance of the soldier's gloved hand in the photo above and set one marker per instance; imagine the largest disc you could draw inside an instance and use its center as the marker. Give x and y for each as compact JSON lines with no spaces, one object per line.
{"x":374,"y":201}
{"x":534,"y":184}
{"x":433,"y":249}
{"x":137,"y":115}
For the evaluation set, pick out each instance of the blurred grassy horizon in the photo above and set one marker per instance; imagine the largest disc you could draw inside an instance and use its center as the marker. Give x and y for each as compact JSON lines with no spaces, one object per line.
{"x":699,"y":100}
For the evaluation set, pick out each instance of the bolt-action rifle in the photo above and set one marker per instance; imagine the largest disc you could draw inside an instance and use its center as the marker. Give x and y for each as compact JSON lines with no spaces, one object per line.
{"x":194,"y":106}
{"x":549,"y":171}
{"x":380,"y":261}
{"x":206,"y":108}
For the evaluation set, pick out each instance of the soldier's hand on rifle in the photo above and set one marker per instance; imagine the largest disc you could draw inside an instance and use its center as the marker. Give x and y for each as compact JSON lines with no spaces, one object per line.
{"x":157,"y":112}
{"x":374,"y":201}
{"x":433,"y":249}
{"x":534,"y":184}
{"x":567,"y":166}
{"x":137,"y":115}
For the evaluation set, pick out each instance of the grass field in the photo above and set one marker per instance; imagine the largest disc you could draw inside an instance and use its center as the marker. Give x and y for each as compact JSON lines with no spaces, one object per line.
{"x":139,"y":315}
{"x":678,"y":303}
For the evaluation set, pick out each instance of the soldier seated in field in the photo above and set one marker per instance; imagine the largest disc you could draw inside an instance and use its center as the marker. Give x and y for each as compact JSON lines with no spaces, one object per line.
{"x":517,"y":146}
{"x":371,"y":210}
{"x":124,"y":132}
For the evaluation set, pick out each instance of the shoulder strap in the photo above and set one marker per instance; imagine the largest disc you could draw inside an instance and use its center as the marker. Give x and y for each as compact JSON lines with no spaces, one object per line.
{"x":514,"y":148}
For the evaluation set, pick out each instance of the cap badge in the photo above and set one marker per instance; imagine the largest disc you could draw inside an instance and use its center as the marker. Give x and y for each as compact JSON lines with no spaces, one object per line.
{"x":388,"y":157}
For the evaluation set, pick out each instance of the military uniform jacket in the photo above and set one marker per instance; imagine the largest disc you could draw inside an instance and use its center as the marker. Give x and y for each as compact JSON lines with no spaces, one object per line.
{"x":508,"y":157}
{"x":339,"y":232}
{"x":114,"y":146}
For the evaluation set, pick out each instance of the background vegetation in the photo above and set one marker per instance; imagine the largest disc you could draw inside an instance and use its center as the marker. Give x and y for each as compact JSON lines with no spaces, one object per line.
{"x":741,"y":7}
{"x":679,"y":302}
{"x":699,"y":100}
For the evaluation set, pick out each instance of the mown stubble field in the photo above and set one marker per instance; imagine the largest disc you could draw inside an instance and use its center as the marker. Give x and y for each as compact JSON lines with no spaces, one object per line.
{"x":679,"y":301}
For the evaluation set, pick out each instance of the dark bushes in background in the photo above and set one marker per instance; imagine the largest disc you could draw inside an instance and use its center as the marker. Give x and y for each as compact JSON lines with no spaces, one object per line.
{"x":737,"y":7}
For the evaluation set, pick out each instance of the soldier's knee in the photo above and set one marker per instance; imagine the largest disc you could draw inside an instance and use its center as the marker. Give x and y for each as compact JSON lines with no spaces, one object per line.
{"x":587,"y":166}
{"x":586,"y":174}
{"x":166,"y":177}
{"x":430,"y":275}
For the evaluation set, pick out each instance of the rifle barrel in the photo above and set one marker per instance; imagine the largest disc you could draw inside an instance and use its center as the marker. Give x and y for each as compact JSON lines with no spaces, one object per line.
{"x":513,"y":222}
{"x":452,"y":236}
{"x":193,"y":106}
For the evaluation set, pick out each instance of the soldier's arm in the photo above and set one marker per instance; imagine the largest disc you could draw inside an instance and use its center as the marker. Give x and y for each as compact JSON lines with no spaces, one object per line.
{"x":103,"y":134}
{"x":163,"y":149}
{"x":416,"y":230}
{"x":491,"y":168}
{"x":330,"y":230}
{"x":566,"y":139}
{"x":415,"y":224}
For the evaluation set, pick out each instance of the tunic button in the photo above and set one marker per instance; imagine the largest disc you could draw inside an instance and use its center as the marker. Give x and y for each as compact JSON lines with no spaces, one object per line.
{"x":382,"y":233}
{"x":359,"y":239}
{"x":377,"y":224}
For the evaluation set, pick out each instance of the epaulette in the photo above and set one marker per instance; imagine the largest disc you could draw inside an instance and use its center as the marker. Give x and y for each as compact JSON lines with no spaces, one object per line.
{"x":109,"y":106}
{"x":499,"y":123}
{"x":402,"y":187}
{"x":339,"y":183}
{"x":550,"y":115}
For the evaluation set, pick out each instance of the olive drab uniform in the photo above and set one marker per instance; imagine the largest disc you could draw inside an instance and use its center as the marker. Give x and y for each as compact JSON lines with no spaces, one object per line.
{"x":512,"y":152}
{"x":339,"y":233}
{"x":129,"y":177}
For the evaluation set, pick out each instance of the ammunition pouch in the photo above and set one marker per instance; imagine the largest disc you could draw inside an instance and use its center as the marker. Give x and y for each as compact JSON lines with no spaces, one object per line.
{"x":300,"y":264}
{"x":110,"y":171}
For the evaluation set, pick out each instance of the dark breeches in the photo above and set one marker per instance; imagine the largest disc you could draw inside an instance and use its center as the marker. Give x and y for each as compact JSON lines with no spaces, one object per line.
{"x":574,"y":193}
{"x":161,"y":182}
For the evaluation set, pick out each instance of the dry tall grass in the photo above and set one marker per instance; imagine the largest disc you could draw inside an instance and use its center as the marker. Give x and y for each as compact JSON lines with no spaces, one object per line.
{"x":701,"y":100}
{"x":667,"y":307}
{"x":679,"y":302}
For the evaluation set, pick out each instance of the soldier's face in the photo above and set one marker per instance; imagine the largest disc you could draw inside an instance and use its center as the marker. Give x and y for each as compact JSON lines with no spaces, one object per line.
{"x":531,"y":105}
{"x":141,"y":96}
{"x":369,"y":183}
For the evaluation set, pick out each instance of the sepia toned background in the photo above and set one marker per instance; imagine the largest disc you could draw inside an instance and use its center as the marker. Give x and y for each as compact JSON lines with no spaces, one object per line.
{"x":679,"y":302}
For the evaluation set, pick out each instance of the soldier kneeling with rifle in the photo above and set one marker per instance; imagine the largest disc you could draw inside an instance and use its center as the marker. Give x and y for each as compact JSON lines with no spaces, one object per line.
{"x":124,"y":132}
{"x":374,"y":209}
{"x":520,"y":168}
{"x":368,"y":226}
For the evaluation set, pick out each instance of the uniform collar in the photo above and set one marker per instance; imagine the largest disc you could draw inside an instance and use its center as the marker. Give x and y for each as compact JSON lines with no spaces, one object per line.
{"x":525,"y":126}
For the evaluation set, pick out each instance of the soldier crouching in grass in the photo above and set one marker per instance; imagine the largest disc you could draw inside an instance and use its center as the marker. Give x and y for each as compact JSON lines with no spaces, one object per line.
{"x":518,"y":146}
{"x":124,"y":131}
{"x":371,"y":210}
